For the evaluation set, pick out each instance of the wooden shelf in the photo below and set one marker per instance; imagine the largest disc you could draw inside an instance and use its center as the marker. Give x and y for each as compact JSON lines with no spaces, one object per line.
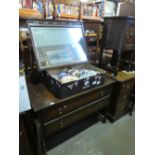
{"x":97,"y":1}
{"x":92,"y":18}
{"x":30,"y":14}
{"x":91,"y":35}
{"x":68,"y":16}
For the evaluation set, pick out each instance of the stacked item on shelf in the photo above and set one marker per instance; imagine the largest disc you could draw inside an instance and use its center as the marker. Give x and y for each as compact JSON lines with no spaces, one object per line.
{"x":49,"y":9}
{"x":93,"y":10}
{"x":110,"y":8}
{"x":25,"y":4}
{"x":31,"y":9}
{"x":67,"y":9}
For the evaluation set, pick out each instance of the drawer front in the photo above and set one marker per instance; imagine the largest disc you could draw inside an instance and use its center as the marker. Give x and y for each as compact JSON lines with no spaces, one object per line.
{"x":121,"y":106}
{"x":122,"y":101}
{"x":127,"y":86}
{"x":73,"y":104}
{"x":123,"y":98}
{"x":70,"y":118}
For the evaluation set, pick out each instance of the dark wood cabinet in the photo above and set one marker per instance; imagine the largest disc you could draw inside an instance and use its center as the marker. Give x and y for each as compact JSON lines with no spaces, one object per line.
{"x":121,"y":94}
{"x":53,"y":114}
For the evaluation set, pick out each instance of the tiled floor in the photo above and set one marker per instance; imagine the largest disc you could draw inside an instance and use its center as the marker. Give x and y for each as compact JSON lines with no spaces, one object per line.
{"x":101,"y":139}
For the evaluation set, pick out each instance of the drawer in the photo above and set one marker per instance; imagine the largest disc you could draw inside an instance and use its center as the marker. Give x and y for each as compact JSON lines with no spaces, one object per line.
{"x":74,"y":116}
{"x":73,"y":104}
{"x":127,"y":86}
{"x":123,"y":97}
{"x":121,"y":106}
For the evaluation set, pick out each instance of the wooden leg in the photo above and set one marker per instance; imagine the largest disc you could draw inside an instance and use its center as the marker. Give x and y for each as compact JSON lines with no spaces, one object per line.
{"x":41,"y":149}
{"x":101,"y":115}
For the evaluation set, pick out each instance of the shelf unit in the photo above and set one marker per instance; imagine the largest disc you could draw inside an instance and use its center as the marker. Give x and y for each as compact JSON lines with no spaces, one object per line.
{"x":68,"y":9}
{"x":93,"y":39}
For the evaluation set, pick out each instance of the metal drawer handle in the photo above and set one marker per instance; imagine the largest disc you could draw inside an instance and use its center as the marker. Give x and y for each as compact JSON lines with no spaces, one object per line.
{"x":60,"y":112}
{"x":65,"y":106}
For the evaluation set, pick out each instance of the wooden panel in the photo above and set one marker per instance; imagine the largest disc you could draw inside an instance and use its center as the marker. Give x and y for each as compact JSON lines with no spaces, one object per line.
{"x":121,"y":107}
{"x":58,"y":124}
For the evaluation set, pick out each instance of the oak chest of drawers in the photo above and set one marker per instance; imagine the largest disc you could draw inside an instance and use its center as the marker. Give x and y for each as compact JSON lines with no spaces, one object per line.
{"x":120,"y":98}
{"x":53,"y":114}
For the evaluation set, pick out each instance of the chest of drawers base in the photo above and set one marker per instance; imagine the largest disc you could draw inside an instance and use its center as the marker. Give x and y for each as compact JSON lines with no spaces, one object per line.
{"x":65,"y":112}
{"x":120,"y":97}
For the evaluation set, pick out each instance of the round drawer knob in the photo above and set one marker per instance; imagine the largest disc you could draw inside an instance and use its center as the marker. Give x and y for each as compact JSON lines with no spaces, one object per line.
{"x":65,"y":106}
{"x":60,"y":112}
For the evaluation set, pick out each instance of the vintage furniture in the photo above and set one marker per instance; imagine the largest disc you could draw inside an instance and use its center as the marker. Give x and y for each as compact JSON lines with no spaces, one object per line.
{"x":52,"y":114}
{"x":121,"y":96}
{"x":119,"y":35}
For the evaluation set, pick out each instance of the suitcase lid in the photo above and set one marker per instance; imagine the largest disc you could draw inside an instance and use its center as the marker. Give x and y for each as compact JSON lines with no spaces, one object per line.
{"x":58,"y":43}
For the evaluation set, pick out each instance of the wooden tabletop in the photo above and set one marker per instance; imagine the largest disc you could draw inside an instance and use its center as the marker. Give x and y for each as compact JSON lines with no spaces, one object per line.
{"x":122,"y":75}
{"x":41,"y":97}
